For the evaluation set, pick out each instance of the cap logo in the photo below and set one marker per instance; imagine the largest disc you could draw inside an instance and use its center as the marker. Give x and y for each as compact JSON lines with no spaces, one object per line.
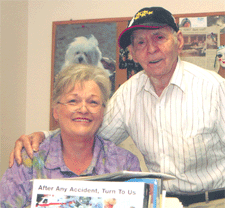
{"x":142,"y":14}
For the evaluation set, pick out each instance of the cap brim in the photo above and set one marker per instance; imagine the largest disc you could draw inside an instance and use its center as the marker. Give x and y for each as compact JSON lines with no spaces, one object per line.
{"x":124,"y":38}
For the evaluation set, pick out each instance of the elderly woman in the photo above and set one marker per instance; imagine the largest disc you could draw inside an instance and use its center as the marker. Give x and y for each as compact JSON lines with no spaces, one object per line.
{"x":79,"y":98}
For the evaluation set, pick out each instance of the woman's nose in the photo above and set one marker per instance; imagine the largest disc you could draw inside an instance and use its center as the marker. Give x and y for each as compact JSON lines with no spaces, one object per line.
{"x":83,"y":107}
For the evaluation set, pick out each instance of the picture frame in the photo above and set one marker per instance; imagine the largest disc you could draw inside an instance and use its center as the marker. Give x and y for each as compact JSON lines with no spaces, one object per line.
{"x":70,"y":36}
{"x":122,"y":71}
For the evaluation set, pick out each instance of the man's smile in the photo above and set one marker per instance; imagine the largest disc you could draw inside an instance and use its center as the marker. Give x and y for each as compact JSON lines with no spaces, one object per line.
{"x":156,"y":61}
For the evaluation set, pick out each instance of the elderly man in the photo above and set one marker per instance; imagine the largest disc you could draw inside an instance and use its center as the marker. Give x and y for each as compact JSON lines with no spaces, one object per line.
{"x":173,"y":110}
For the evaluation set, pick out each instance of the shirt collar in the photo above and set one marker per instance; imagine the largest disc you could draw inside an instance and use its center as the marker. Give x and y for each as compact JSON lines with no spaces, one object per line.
{"x":55,"y":160}
{"x":54,"y":157}
{"x":177,"y":78}
{"x":98,"y":148}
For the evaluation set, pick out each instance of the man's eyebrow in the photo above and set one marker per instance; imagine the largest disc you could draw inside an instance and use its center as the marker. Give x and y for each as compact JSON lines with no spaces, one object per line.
{"x":158,"y":33}
{"x":154,"y":33}
{"x":137,"y":36}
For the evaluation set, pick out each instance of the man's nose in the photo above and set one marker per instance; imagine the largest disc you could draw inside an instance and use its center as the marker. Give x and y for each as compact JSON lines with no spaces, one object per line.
{"x":151,"y":47}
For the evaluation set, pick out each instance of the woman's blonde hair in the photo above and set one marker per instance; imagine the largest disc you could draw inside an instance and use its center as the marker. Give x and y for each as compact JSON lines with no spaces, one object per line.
{"x":68,"y":77}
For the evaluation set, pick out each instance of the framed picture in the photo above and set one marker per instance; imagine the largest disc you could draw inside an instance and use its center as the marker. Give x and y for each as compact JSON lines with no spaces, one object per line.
{"x":88,"y":42}
{"x":105,"y":33}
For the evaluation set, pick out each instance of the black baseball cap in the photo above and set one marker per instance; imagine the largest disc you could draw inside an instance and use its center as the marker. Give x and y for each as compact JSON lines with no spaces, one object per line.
{"x":147,"y":18}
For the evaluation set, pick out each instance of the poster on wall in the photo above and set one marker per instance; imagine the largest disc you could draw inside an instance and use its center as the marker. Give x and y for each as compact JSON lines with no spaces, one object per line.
{"x":193,"y":22}
{"x":126,"y":62}
{"x":217,"y":20}
{"x":200,"y":46}
{"x":85,"y":43}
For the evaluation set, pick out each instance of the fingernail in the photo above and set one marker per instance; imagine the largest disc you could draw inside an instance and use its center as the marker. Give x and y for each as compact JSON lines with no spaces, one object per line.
{"x":35,"y":149}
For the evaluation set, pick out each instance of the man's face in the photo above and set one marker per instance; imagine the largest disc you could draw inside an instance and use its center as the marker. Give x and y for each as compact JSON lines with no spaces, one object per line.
{"x":156,"y":50}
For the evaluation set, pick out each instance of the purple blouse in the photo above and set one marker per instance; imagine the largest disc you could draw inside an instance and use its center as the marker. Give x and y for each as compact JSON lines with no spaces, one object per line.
{"x":16,"y":188}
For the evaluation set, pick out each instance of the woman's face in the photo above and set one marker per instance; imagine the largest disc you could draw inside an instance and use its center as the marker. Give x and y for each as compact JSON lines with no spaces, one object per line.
{"x":221,"y":57}
{"x":80,"y":111}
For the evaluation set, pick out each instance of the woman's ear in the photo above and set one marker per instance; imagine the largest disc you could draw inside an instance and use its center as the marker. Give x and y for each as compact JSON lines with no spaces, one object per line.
{"x":180,"y":41}
{"x":55,"y":113}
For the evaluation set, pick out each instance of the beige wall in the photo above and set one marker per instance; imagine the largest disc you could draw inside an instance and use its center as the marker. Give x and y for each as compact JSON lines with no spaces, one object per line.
{"x":14,"y":36}
{"x":26,"y":32}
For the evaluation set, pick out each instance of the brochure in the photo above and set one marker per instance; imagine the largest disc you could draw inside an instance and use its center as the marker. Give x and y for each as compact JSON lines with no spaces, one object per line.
{"x":96,"y":194}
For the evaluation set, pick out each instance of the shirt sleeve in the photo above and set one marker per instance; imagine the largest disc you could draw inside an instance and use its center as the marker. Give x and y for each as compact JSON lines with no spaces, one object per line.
{"x":113,"y":127}
{"x":221,"y":111}
{"x":49,"y":134}
{"x":15,"y":186}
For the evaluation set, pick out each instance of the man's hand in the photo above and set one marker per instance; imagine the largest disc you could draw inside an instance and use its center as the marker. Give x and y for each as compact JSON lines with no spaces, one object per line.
{"x":30,"y":143}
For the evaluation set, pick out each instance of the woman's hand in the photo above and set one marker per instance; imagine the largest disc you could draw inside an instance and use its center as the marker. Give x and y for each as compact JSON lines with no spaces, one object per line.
{"x":30,"y":143}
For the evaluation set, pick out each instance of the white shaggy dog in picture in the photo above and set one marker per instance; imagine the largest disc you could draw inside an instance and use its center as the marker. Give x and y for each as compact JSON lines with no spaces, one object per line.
{"x":84,"y":50}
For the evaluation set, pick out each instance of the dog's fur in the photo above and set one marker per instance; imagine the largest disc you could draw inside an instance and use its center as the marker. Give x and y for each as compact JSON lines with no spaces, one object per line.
{"x":84,"y":50}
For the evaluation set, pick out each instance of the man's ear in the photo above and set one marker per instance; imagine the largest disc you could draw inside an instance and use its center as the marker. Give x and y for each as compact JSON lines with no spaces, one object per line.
{"x":131,"y":51}
{"x":180,"y":41}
